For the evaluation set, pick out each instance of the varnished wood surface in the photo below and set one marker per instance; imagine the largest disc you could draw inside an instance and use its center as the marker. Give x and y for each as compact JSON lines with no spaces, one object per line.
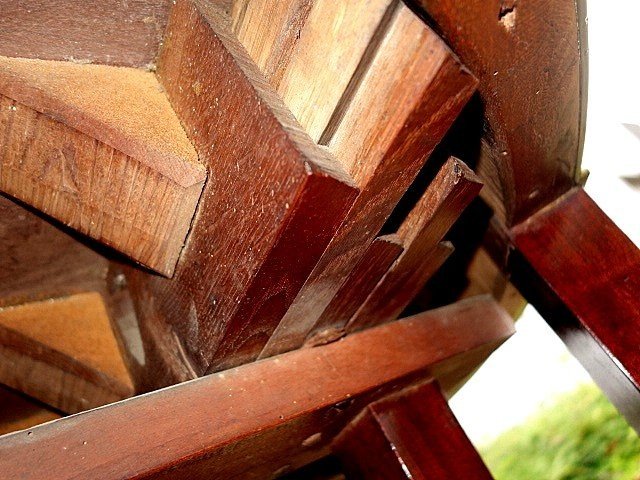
{"x":257,"y":419}
{"x":411,"y":434}
{"x":530,"y":66}
{"x":583,"y":274}
{"x":119,"y":32}
{"x":100,"y":149}
{"x":451,"y":191}
{"x":259,"y":230}
{"x":18,"y":412}
{"x":63,"y":352}
{"x":383,"y":134}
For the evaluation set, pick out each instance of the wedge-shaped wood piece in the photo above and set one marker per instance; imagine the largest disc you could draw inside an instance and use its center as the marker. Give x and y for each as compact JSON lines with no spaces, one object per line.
{"x":39,"y":261}
{"x":271,"y":204}
{"x":309,"y":51}
{"x":411,"y":434}
{"x":453,"y":188}
{"x":63,"y":352}
{"x":260,"y":419}
{"x":583,"y":275}
{"x":383,"y":131}
{"x":83,"y":32}
{"x":375,"y":263}
{"x":100,"y":149}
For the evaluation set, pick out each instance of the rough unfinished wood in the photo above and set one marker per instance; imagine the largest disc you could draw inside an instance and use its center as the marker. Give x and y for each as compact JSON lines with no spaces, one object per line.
{"x":362,"y":280}
{"x":63,"y":352}
{"x":530,"y":57}
{"x":383,"y":135}
{"x":119,"y":32}
{"x":310,"y":50}
{"x":583,"y":275}
{"x":238,"y":423}
{"x":39,"y":261}
{"x":453,"y":188}
{"x":258,"y":231}
{"x":411,"y":434}
{"x":100,"y":149}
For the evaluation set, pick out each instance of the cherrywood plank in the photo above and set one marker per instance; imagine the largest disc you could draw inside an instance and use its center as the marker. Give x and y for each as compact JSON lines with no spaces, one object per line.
{"x":375,"y":263}
{"x":84,"y":32}
{"x":238,"y":423}
{"x":450,"y":192}
{"x":63,"y":352}
{"x":383,"y":133}
{"x":258,"y":231}
{"x":100,"y":149}
{"x":583,"y":275}
{"x":530,"y":152}
{"x":310,"y":51}
{"x":40,"y":261}
{"x":411,"y":434}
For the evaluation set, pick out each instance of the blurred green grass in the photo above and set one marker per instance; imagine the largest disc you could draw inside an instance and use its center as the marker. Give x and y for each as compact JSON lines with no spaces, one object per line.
{"x":580,"y":436}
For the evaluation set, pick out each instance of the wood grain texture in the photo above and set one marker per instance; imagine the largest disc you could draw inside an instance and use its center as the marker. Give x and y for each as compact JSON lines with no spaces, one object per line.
{"x":451,"y":191}
{"x":39,"y":261}
{"x":411,"y":434}
{"x":100,"y":149}
{"x":533,"y":87}
{"x":375,"y":263}
{"x":383,"y":135}
{"x":309,"y":50}
{"x":258,"y":231}
{"x":63,"y":352}
{"x":238,"y":424}
{"x":583,"y":274}
{"x":118,"y":32}
{"x":18,"y":412}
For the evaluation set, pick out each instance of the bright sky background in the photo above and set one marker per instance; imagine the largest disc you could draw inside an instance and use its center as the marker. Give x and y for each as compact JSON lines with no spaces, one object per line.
{"x":533,"y":366}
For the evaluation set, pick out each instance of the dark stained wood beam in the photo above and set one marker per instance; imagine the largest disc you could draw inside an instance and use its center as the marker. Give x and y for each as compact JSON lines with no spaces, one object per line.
{"x":411,"y":434}
{"x":583,"y":275}
{"x":261,"y":419}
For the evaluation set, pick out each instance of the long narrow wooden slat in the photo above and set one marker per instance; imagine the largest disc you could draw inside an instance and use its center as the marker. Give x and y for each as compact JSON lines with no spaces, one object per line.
{"x":583,"y":275}
{"x":309,"y":51}
{"x":411,"y":434}
{"x":260,"y":419}
{"x":83,"y":32}
{"x":383,"y":133}
{"x":259,"y":229}
{"x":451,"y":191}
{"x":362,"y":280}
{"x":63,"y":352}
{"x":100,"y":149}
{"x":39,"y":261}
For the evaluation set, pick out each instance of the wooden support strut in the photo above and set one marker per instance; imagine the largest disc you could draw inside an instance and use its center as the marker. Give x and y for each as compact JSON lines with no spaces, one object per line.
{"x":261,"y":419}
{"x":583,"y":275}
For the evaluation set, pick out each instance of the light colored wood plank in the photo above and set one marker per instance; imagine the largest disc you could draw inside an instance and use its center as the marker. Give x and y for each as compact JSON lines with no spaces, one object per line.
{"x":63,"y":352}
{"x":386,"y":127}
{"x":100,"y":149}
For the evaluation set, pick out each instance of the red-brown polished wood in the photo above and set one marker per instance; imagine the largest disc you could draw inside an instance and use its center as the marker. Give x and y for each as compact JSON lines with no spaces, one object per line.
{"x":411,"y":434}
{"x":583,"y":274}
{"x":272,"y":202}
{"x":530,"y":58}
{"x":260,"y":418}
